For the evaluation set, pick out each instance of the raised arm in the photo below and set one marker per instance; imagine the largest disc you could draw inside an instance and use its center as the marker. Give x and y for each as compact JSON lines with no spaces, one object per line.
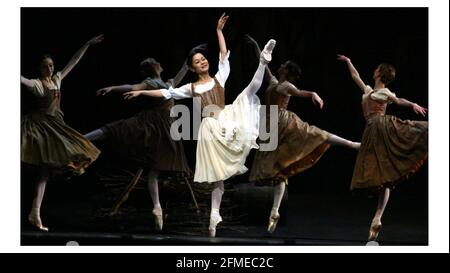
{"x":28,"y":83}
{"x":222,"y":45}
{"x":76,"y":58}
{"x":294,"y":91}
{"x":179,"y":76}
{"x":257,"y":50}
{"x":406,"y":103}
{"x":353,"y":71}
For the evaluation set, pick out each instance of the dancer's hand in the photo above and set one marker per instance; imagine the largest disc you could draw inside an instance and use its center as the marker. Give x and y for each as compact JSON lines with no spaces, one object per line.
{"x":103,"y":91}
{"x":419,"y":109}
{"x":221,"y":23}
{"x":96,"y":40}
{"x":317,"y":100}
{"x":131,"y":94}
{"x":343,"y":58}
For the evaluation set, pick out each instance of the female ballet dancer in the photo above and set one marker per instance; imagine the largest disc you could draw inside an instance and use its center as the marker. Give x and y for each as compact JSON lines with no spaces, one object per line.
{"x":391,"y":149}
{"x":145,"y":138}
{"x":46,"y":141}
{"x":300,"y":145}
{"x":225,"y":139}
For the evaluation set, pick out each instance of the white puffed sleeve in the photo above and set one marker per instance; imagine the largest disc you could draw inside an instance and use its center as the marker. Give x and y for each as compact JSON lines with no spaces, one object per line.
{"x":182,"y":92}
{"x":224,"y":70}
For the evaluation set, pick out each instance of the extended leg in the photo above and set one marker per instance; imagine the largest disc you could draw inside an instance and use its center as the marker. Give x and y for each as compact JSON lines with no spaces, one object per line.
{"x":266,"y":57}
{"x":336,"y":140}
{"x":97,"y":134}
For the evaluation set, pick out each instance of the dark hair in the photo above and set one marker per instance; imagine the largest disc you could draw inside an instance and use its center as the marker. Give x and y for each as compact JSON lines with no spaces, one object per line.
{"x":43,"y":57}
{"x":293,"y":71}
{"x":198,"y":49}
{"x":147,"y":67}
{"x":39,"y":61}
{"x":387,"y":73}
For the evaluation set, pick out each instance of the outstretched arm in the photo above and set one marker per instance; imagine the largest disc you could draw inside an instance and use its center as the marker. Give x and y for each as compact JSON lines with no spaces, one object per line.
{"x":222,"y":45}
{"x":121,"y":88}
{"x":28,"y":83}
{"x":76,"y":58}
{"x":150,"y":93}
{"x":182,"y":92}
{"x":293,"y":91}
{"x":406,"y":103}
{"x":353,"y":71}
{"x":257,"y":50}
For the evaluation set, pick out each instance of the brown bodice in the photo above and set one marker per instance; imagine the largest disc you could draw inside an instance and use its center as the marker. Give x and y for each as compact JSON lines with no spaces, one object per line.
{"x":50,"y":101}
{"x":275,"y":98}
{"x":372,"y":108}
{"x":215,"y":96}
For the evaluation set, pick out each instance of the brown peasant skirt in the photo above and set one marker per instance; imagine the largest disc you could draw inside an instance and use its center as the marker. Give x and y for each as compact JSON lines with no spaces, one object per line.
{"x":391,"y":150}
{"x":145,"y":139}
{"x":46,"y":141}
{"x":300,"y":146}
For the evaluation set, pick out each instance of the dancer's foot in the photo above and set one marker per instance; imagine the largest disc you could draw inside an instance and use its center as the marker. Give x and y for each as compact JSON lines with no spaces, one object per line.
{"x":157,"y":213}
{"x":355,"y":145}
{"x":273,"y":221}
{"x":214,"y":220}
{"x":375,"y":228}
{"x":266,"y":54}
{"x":35,"y":219}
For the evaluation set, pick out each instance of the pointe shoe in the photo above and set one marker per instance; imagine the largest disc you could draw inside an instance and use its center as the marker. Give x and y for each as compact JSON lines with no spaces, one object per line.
{"x":273,"y":221}
{"x":213,"y":222}
{"x":266,"y":54}
{"x":158,"y":219}
{"x":356,"y":145}
{"x":374,"y":230}
{"x":35,"y":220}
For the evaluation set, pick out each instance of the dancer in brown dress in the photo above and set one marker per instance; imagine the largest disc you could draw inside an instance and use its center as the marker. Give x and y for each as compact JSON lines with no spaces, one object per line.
{"x":300,"y":145}
{"x":391,"y":149}
{"x":46,"y":141}
{"x":146,"y":138}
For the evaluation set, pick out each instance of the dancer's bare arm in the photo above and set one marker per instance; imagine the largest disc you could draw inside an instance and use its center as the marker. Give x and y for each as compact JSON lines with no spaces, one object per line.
{"x":222,"y":45}
{"x":354,"y":73}
{"x":77,"y":57}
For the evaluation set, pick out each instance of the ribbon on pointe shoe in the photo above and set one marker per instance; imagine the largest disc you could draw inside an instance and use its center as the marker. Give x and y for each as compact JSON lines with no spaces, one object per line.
{"x":374,"y":231}
{"x":157,"y":213}
{"x":35,"y":219}
{"x":214,"y":220}
{"x":273,"y":221}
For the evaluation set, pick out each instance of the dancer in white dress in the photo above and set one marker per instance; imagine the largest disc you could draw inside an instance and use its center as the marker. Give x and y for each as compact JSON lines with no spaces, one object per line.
{"x":224,"y":139}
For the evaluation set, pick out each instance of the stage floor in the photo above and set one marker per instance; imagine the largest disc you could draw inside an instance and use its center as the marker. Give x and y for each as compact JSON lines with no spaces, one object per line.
{"x":76,"y":214}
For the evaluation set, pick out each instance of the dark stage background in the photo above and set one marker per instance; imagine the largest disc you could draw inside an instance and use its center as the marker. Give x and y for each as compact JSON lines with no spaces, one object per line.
{"x":309,"y":36}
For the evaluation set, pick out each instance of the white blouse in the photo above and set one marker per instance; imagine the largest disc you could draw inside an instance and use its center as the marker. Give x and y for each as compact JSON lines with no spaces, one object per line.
{"x":380,"y":95}
{"x":185,"y":91}
{"x":38,"y":88}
